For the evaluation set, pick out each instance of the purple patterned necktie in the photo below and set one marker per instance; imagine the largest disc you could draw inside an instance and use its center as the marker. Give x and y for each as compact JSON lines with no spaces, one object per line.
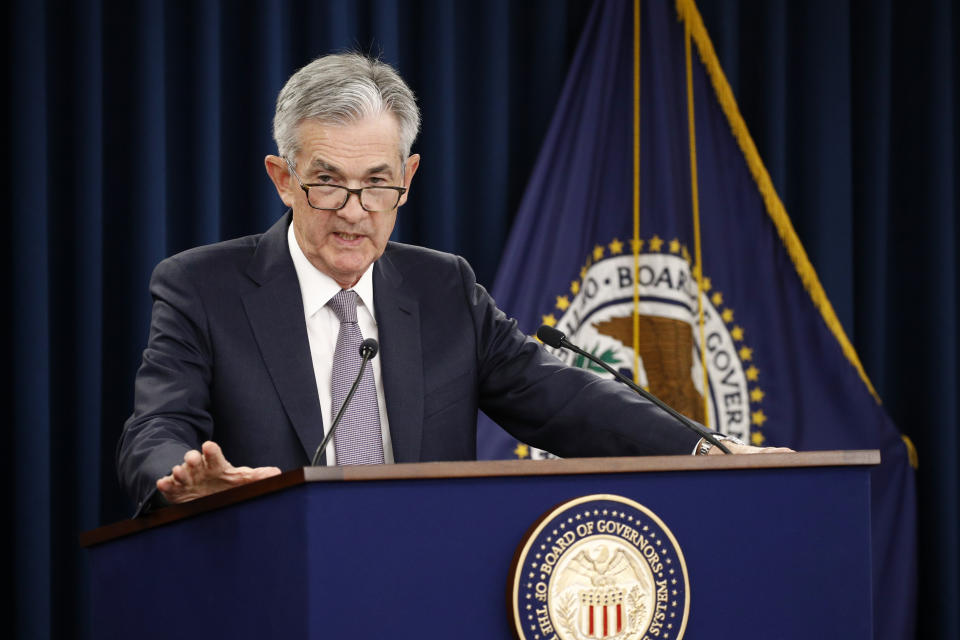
{"x":358,"y":439}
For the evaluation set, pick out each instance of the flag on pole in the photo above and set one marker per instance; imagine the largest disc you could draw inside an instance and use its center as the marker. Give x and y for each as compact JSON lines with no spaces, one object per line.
{"x":652,"y":236}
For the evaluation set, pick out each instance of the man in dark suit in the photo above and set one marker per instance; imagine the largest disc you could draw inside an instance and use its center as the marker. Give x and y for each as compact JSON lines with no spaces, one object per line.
{"x":239,"y":367}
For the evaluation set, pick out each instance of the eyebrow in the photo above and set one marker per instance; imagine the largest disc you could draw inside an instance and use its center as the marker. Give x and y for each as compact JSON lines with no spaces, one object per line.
{"x":320,"y":163}
{"x":380,"y":168}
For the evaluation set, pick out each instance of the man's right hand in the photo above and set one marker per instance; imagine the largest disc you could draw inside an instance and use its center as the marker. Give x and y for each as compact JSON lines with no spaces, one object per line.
{"x":207,"y":471}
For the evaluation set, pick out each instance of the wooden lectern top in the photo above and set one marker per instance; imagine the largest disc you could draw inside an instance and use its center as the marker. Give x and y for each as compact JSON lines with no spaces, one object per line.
{"x":477,"y":469}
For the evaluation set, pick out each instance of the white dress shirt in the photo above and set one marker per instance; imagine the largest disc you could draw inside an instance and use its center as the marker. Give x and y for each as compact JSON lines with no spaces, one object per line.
{"x":323,"y":327}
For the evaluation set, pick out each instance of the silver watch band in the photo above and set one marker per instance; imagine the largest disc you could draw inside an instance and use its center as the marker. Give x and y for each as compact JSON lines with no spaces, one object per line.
{"x":703,"y":447}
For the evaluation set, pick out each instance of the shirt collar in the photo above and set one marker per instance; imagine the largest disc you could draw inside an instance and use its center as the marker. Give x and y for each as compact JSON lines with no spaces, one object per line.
{"x":317,"y":288}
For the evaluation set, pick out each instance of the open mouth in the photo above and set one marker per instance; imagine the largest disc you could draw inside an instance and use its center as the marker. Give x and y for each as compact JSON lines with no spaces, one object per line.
{"x":349,"y":237}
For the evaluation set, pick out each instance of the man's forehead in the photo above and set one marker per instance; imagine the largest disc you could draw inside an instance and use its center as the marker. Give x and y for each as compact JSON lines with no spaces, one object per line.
{"x":370,"y":141}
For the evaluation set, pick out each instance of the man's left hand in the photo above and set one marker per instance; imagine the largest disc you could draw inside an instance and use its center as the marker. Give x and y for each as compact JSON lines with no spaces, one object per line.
{"x":746,"y":448}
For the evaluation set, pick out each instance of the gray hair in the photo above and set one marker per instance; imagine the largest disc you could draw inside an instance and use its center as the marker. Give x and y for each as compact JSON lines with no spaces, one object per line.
{"x":340,"y":89}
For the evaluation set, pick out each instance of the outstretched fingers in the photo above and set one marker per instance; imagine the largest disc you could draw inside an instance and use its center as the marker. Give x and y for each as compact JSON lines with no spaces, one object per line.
{"x":207,"y":471}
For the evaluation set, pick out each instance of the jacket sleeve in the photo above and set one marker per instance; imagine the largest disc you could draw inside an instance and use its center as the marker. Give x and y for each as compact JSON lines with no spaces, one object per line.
{"x":565,"y":410}
{"x":172,"y":391}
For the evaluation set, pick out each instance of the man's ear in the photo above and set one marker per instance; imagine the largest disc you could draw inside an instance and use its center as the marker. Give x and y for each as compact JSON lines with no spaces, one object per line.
{"x":413,"y":163}
{"x":279,"y":173}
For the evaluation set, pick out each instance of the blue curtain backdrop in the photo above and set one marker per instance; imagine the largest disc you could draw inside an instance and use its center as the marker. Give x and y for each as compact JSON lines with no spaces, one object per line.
{"x":137,"y":129}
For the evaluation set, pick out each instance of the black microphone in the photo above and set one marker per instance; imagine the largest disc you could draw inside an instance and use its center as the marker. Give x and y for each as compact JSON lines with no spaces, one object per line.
{"x":555,"y":338}
{"x":368,"y":351}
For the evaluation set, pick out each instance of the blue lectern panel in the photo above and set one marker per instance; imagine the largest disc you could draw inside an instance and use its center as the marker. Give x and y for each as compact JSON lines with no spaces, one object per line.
{"x":235,"y":572}
{"x":780,"y":553}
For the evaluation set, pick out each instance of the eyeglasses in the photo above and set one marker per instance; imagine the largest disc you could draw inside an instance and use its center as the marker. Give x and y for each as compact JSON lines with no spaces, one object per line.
{"x":333,"y":197}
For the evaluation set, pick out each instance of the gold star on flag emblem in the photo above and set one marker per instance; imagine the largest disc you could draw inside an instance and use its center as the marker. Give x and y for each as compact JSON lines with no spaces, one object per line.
{"x":636,"y":245}
{"x":674,"y":246}
{"x":655,"y":243}
{"x":753,"y":373}
{"x":616,"y":247}
{"x":522,"y":451}
{"x":757,"y":395}
{"x":737,"y":333}
{"x":727,"y":315}
{"x":574,"y":287}
{"x":562,"y":303}
{"x":706,"y":284}
{"x":549,"y":320}
{"x":746,"y":353}
{"x":758,"y":417}
{"x":757,"y":439}
{"x":717,"y":299}
{"x":583,"y":271}
{"x":597,"y":253}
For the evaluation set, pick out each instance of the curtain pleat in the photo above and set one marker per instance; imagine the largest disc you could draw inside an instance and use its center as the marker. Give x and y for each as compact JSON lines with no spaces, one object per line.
{"x":31,"y":235}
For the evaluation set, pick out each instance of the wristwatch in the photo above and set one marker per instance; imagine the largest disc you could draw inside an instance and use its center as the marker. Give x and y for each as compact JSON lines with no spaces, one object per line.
{"x":704,"y":446}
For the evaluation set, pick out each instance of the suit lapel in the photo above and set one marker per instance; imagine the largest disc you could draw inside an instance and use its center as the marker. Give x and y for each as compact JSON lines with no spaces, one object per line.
{"x":401,"y":364}
{"x":275,"y":311}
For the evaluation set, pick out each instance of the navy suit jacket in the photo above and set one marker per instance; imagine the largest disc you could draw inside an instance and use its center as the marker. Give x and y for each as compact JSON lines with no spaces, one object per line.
{"x":228,"y":360}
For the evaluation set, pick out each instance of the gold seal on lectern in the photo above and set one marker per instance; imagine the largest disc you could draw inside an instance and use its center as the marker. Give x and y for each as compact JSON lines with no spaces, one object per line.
{"x":599,"y":566}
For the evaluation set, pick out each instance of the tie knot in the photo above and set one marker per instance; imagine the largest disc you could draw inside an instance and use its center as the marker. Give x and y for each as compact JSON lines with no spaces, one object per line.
{"x":344,"y":304}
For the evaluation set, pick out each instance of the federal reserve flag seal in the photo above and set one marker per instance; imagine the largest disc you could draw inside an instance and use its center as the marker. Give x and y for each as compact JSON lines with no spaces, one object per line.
{"x":600,"y":566}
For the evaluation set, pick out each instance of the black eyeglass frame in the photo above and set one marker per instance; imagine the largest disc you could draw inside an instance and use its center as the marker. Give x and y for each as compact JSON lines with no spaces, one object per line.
{"x":358,"y":192}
